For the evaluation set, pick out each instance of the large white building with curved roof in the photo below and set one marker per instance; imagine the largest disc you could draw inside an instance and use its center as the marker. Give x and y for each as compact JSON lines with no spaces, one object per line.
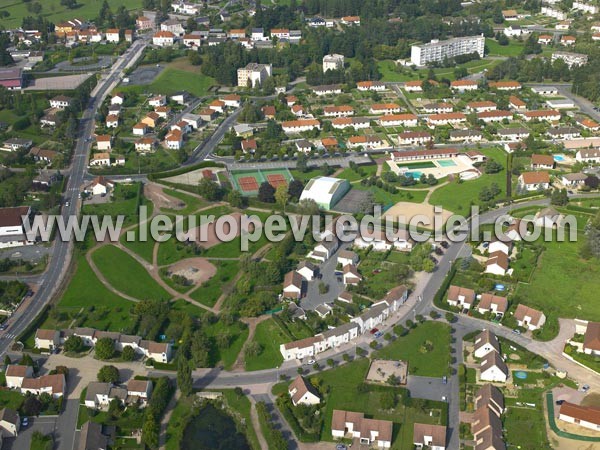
{"x":325,"y":191}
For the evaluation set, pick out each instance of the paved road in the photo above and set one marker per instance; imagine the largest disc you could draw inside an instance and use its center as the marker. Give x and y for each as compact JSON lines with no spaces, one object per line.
{"x":207,"y":147}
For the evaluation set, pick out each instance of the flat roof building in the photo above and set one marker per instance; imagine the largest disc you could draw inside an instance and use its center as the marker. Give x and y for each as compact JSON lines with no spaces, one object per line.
{"x":325,"y":191}
{"x":436,"y":50}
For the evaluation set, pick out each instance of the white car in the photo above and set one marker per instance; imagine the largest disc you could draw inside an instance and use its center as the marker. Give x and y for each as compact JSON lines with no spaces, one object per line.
{"x":311,"y":361}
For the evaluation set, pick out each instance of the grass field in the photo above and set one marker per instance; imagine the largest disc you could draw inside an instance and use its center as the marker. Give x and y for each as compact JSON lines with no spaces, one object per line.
{"x":85,"y":291}
{"x":579,"y":282}
{"x":351,"y":175}
{"x":385,"y":198}
{"x":456,"y":197}
{"x":178,"y":75}
{"x":126,"y":275}
{"x":388,"y":72}
{"x":208,"y":293}
{"x":238,"y":333}
{"x":342,"y":384}
{"x":55,"y":12}
{"x":143,"y":248}
{"x":269,"y":336}
{"x":514,"y":48}
{"x":411,"y":348}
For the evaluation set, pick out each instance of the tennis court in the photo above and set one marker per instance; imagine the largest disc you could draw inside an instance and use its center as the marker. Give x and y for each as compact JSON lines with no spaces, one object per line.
{"x":247,"y":182}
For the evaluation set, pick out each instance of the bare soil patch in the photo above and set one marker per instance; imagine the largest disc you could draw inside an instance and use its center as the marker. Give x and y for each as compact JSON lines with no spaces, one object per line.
{"x":407,"y":210}
{"x":197,"y":270}
{"x":156,"y":195}
{"x":206,"y":234}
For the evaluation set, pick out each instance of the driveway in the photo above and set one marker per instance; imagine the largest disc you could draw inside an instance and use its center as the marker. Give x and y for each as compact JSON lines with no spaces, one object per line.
{"x":327,"y":269}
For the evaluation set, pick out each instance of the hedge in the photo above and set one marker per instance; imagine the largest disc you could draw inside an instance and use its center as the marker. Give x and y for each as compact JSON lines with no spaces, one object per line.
{"x":182,"y":170}
{"x":552,"y":422}
{"x":301,"y":434}
{"x":439,"y":295}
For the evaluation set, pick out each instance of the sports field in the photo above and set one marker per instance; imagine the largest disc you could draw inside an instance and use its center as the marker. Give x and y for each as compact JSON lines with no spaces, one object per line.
{"x":247,"y":182}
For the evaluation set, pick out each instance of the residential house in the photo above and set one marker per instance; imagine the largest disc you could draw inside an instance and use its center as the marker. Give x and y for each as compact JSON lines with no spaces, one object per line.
{"x":269,"y":111}
{"x":516,"y":103}
{"x":380,"y":241}
{"x":463,"y":85}
{"x":193,"y":120}
{"x":346,"y":257}
{"x":327,"y":90}
{"x":573,"y":179}
{"x":455,"y":118}
{"x":494,"y":116}
{"x":489,"y":396}
{"x":143,"y":23}
{"x":301,"y":348}
{"x":564,"y":133}
{"x":174,"y":139}
{"x":438,"y":108}
{"x":370,"y":86}
{"x":303,"y":393}
{"x":591,"y":155}
{"x":505,"y":85}
{"x":542,"y":162}
{"x":545,"y":39}
{"x":151,"y":119}
{"x":345,"y":297}
{"x":429,"y":436}
{"x":15,"y":375}
{"x":112,"y":121}
{"x":292,"y":285}
{"x":338,"y":111}
{"x":104,"y":142}
{"x":99,"y":395}
{"x":591,"y":339}
{"x":99,"y":186}
{"x":534,"y":181}
{"x":485,"y":342}
{"x":14,"y":144}
{"x":368,"y":431}
{"x":513,"y":134}
{"x":54,"y":385}
{"x":192,"y":40}
{"x":181,"y":98}
{"x":10,"y":423}
{"x":249,"y":145}
{"x":492,"y":303}
{"x":304,"y":146}
{"x":307,"y":270}
{"x":163,"y":39}
{"x":61,"y":102}
{"x":500,"y":245}
{"x":158,"y":351}
{"x":43,"y":155}
{"x":481,"y":106}
{"x":395,"y":120}
{"x":584,"y":416}
{"x":172,"y":26}
{"x":232,"y":100}
{"x":139,"y":390}
{"x":550,"y":115}
{"x":299,"y":126}
{"x":349,"y":122}
{"x":163,"y":111}
{"x":47,"y":339}
{"x":207,"y":114}
{"x":385,"y":108}
{"x":396,"y":296}
{"x":493,"y":368}
{"x":465,"y":136}
{"x":350,"y":275}
{"x":365,"y":142}
{"x":529,"y":318}
{"x":112,"y":35}
{"x":140,"y":129}
{"x":588,"y":124}
{"x":323,"y":310}
{"x":375,"y":315}
{"x":461,"y":297}
{"x":497,"y":263}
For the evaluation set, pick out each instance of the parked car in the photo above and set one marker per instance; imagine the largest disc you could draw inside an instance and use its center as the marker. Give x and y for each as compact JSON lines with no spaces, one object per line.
{"x":559,"y":402}
{"x":378,"y":334}
{"x":585,"y":388}
{"x":439,"y":251}
{"x":311,"y":361}
{"x":374,"y":330}
{"x":517,"y":331}
{"x":444,"y":244}
{"x":445,"y":379}
{"x":24,"y":421}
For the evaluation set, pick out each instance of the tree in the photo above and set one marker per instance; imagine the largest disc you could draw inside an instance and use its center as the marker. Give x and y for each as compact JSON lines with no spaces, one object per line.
{"x":27,"y":360}
{"x":184,"y":377}
{"x":115,"y":407}
{"x":330,"y":362}
{"x":373,"y":344}
{"x":346,"y":357}
{"x":238,"y":391}
{"x":105,"y":348}
{"x":492,"y":166}
{"x":7,"y":360}
{"x":74,"y":344}
{"x":128,"y":354}
{"x":266,"y":193}
{"x":559,"y":197}
{"x":31,"y":406}
{"x":108,"y":374}
{"x":592,"y":181}
{"x":150,"y":432}
{"x":295,"y":189}
{"x":399,"y":330}
{"x":393,"y":380}
{"x":253,"y":349}
{"x":449,"y":317}
{"x":282,"y":196}
{"x":210,"y":190}
{"x":235,"y":199}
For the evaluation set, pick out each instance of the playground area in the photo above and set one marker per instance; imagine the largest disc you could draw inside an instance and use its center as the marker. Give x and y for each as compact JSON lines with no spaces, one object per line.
{"x":439,"y":168}
{"x":197,"y":270}
{"x":247,"y":182}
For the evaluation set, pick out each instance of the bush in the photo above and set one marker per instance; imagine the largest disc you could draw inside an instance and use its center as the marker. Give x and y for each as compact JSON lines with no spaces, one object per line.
{"x":108,"y":374}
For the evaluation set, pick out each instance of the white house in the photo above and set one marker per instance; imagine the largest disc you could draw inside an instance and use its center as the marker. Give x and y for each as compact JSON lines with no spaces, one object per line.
{"x":53,"y":385}
{"x":303,"y":393}
{"x":485,"y":342}
{"x":112,"y":35}
{"x":16,"y":374}
{"x":307,"y":270}
{"x":350,"y":275}
{"x":460,"y":296}
{"x":368,"y":431}
{"x":104,"y":142}
{"x":10,"y":423}
{"x":163,"y":39}
{"x":497,"y":263}
{"x":584,"y":416}
{"x":429,"y":436}
{"x":534,"y":181}
{"x":492,"y":303}
{"x":47,"y":339}
{"x":493,"y":368}
{"x":139,"y":389}
{"x":292,"y":285}
{"x":346,"y":257}
{"x":529,"y":318}
{"x":399,"y":240}
{"x":61,"y":102}
{"x":100,"y":186}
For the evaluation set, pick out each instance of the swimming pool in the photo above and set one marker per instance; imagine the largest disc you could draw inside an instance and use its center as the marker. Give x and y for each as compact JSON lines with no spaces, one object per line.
{"x":521,"y":375}
{"x":559,"y":158}
{"x":417,"y":165}
{"x":446,"y":163}
{"x":415,"y":174}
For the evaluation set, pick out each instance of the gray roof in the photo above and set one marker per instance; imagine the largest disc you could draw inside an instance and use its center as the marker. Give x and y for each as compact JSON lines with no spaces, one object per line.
{"x":373,"y":311}
{"x":91,"y":437}
{"x":9,"y":415}
{"x":339,"y":331}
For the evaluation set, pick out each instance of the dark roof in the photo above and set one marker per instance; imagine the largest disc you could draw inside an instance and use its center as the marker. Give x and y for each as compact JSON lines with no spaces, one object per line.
{"x":12,"y":216}
{"x":91,"y":437}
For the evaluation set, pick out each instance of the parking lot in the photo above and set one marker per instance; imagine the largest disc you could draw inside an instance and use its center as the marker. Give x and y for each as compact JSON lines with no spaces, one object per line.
{"x":43,"y":424}
{"x":145,"y":74}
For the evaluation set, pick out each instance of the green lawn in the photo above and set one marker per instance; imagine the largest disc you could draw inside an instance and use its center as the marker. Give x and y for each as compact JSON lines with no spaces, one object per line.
{"x":126,"y":275}
{"x":351,"y":175}
{"x":385,"y":198}
{"x":575,"y":295}
{"x":514,"y":48}
{"x":41,"y":442}
{"x":525,"y":427}
{"x":342,"y":383}
{"x":457,"y":197}
{"x":11,"y":399}
{"x":209,"y":292}
{"x":430,"y":363}
{"x":388,"y":72}
{"x":269,"y":336}
{"x":173,"y":79}
{"x":238,"y":333}
{"x":143,"y":248}
{"x":55,"y":12}
{"x":86,"y":291}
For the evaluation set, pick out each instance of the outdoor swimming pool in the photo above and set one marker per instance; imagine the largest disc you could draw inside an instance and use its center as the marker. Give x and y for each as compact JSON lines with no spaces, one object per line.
{"x":415,"y":174}
{"x":446,"y":163}
{"x":559,"y":158}
{"x":521,"y":375}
